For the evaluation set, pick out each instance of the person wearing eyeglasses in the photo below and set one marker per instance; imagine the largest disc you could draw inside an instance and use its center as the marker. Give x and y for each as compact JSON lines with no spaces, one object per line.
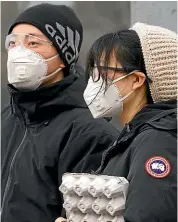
{"x":132,"y":76}
{"x":47,"y":129}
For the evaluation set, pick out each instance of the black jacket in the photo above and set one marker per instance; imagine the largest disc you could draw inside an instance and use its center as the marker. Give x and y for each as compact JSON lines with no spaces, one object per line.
{"x":46,"y":133}
{"x":137,"y":156}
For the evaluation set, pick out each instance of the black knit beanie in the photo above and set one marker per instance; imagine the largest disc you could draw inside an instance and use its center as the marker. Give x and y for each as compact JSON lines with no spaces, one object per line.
{"x":60,"y":24}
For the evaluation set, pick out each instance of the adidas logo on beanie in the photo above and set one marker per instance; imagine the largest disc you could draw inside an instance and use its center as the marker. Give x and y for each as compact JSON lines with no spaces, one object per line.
{"x":60,"y":24}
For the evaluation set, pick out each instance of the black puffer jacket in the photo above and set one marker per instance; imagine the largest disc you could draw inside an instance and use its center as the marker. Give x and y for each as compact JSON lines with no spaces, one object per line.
{"x":146,"y":154}
{"x":44,"y":134}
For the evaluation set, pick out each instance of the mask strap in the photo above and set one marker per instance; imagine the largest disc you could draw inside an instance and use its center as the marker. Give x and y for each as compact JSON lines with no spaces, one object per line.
{"x":51,"y":58}
{"x":52,"y":74}
{"x":55,"y":72}
{"x":123,"y":98}
{"x":122,"y":77}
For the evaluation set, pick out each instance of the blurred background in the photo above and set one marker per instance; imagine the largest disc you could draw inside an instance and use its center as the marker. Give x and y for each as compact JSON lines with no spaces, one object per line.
{"x":97,"y":17}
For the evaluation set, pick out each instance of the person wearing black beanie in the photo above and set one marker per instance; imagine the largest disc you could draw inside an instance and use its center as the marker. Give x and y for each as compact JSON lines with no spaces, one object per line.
{"x":60,"y":25}
{"x":47,"y":128}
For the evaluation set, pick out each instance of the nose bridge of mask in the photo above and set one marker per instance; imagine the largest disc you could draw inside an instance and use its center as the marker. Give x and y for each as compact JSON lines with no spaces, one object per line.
{"x":27,"y":52}
{"x":20,"y":54}
{"x":93,"y":91}
{"x":97,"y":87}
{"x":20,"y":48}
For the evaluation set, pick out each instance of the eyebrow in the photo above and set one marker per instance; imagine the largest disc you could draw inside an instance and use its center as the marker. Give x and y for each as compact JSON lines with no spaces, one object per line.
{"x":36,"y":34}
{"x":31,"y":33}
{"x":39,"y":36}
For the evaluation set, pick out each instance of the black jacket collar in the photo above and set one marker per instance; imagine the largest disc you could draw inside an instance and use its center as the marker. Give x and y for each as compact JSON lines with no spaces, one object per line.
{"x":160,"y":115}
{"x":48,"y":101}
{"x":151,"y":111}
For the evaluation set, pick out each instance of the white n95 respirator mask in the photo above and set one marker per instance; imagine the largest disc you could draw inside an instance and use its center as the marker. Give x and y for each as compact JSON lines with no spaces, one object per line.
{"x":27,"y":69}
{"x":101,"y":102}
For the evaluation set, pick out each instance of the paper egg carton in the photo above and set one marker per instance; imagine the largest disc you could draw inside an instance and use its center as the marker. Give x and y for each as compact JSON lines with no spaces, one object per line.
{"x":94,"y":198}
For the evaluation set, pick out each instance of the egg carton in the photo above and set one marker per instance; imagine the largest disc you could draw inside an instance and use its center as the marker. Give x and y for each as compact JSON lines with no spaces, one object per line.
{"x":93,"y":198}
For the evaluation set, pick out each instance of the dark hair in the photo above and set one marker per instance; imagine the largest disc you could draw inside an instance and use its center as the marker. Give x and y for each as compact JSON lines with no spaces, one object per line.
{"x":125,"y":47}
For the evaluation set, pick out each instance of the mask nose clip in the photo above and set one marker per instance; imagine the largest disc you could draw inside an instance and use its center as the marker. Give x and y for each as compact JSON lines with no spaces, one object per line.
{"x":20,"y":46}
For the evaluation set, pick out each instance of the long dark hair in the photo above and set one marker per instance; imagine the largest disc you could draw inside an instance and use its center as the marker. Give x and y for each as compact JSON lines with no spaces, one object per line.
{"x":125,"y":47}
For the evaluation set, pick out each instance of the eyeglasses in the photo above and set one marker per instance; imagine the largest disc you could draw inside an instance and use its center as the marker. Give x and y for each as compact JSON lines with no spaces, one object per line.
{"x":104,"y":69}
{"x":29,"y":41}
{"x":115,"y":69}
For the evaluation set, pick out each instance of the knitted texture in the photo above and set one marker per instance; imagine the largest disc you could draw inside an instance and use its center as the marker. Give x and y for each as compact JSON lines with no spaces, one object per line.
{"x":159,"y":47}
{"x":60,"y":24}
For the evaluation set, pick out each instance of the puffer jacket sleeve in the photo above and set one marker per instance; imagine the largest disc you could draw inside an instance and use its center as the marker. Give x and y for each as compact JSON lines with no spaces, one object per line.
{"x":153,"y":182}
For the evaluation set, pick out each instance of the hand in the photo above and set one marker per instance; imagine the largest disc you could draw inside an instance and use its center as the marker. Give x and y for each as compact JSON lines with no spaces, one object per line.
{"x":60,"y":219}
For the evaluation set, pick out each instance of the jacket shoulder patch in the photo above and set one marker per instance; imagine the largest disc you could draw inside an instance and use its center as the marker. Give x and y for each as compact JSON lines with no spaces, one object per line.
{"x":158,"y":167}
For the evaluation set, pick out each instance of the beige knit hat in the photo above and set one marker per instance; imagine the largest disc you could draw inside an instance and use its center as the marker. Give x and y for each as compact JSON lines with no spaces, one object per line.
{"x":159,"y":47}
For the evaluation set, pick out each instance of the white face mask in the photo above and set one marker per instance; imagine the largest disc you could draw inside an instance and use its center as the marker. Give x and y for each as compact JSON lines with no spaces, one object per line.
{"x":101,"y":103}
{"x":27,"y":69}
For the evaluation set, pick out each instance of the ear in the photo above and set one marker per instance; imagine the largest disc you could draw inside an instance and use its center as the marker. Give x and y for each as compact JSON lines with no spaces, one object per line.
{"x":139,"y":80}
{"x":62,"y":65}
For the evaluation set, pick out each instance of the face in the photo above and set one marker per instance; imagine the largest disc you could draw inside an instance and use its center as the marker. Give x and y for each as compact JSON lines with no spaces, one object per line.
{"x":134,"y":82}
{"x":39,"y":43}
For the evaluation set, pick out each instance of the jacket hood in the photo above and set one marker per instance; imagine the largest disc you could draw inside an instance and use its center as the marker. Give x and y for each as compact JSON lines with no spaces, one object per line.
{"x":161,"y":115}
{"x":45,"y":102}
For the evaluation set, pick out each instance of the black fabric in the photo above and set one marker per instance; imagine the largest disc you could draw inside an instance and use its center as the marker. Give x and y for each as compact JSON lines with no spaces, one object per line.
{"x":60,"y":24}
{"x":153,"y":132}
{"x":46,"y":133}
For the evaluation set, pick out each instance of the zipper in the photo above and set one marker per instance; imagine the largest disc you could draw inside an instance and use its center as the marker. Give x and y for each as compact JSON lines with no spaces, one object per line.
{"x":112,"y":147}
{"x":10,"y":171}
{"x":105,"y":154}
